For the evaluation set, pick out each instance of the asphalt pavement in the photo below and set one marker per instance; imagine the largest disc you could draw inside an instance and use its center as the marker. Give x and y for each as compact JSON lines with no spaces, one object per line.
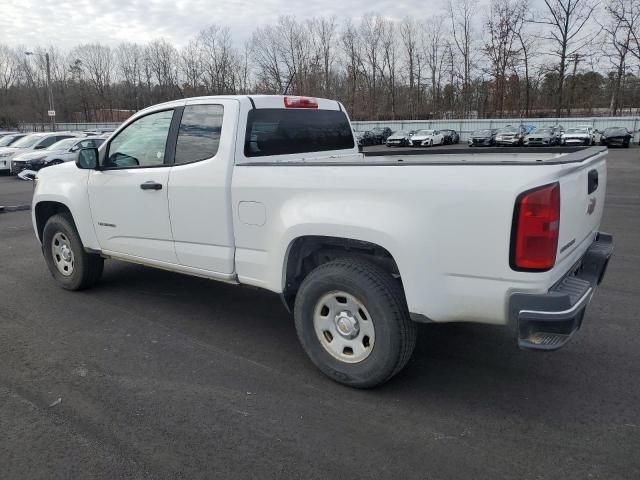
{"x":156,"y":375}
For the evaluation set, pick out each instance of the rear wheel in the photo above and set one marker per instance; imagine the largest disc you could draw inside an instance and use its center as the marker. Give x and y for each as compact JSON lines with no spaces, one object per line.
{"x":353,"y":323}
{"x":69,"y":264}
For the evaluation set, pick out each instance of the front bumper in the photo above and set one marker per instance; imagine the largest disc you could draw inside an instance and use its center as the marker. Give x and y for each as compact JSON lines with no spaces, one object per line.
{"x":17,"y":166}
{"x":508,"y":141}
{"x":547,"y":321}
{"x":576,"y":141}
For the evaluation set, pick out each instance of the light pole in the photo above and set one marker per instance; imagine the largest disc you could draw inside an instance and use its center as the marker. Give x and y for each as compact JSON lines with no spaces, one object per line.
{"x":49,"y":90}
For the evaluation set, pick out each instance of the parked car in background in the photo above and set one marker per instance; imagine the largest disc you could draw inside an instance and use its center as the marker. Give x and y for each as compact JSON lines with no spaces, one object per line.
{"x":365,"y":138}
{"x":580,"y":135}
{"x":7,"y":140}
{"x":483,"y":138}
{"x":381,"y":134}
{"x":34,"y":141}
{"x":4,"y":133}
{"x":60,"y":152}
{"x":616,"y":136}
{"x":450,"y":136}
{"x":544,"y":136}
{"x":426,"y":138}
{"x":511,"y":135}
{"x":399,"y":138}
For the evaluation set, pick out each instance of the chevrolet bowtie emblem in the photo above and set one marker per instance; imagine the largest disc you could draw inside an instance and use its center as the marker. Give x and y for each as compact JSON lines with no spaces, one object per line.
{"x":592,"y":205}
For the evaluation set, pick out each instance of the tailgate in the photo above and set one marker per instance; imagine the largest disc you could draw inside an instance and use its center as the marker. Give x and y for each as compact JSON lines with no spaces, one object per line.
{"x":582,"y":193}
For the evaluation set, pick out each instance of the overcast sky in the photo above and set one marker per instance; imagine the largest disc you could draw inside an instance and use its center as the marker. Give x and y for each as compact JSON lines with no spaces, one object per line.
{"x":69,"y":23}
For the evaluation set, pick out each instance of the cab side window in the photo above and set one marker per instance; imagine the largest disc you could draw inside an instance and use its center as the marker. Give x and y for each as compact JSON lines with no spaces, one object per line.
{"x":141,"y":144}
{"x":199,"y":133}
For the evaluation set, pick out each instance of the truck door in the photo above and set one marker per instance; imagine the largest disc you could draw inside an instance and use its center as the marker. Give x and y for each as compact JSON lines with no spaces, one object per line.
{"x":128,"y":196}
{"x":200,"y":185}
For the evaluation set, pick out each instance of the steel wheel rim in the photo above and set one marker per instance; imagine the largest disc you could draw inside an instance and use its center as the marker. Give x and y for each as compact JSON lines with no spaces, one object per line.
{"x":62,"y":254}
{"x":344,"y":327}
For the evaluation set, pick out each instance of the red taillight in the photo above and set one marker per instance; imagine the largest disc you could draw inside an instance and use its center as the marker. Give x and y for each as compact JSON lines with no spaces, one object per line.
{"x":536,"y":224}
{"x":300,"y":102}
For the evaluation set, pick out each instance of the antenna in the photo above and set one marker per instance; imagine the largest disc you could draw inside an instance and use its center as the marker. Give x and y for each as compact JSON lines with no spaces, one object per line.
{"x":286,"y":89}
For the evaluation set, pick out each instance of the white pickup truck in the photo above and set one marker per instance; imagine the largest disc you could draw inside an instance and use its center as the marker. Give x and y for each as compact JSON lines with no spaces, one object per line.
{"x":272,"y":191}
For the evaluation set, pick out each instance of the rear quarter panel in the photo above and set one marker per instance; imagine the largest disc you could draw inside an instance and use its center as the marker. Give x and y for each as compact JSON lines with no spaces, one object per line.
{"x":448,"y":227}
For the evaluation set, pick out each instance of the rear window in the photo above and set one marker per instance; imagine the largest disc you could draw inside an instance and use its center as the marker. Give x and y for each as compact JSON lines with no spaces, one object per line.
{"x":277,"y":131}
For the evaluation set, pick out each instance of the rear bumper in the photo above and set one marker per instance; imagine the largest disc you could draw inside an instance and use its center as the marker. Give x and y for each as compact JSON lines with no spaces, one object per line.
{"x":547,"y":321}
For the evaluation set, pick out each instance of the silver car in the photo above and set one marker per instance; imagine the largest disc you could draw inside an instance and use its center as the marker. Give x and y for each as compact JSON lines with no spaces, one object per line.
{"x":62,"y":151}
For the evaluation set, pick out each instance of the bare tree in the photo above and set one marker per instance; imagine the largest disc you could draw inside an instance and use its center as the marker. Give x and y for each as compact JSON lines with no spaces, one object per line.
{"x":461,"y":13}
{"x":504,"y":21}
{"x":410,"y":45}
{"x":436,"y":50}
{"x":621,"y":34}
{"x":567,"y":35}
{"x":325,"y":32}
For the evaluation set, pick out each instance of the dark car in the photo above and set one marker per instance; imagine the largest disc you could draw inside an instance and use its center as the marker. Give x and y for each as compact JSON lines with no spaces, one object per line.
{"x":618,"y":136}
{"x":450,"y":136}
{"x":381,"y":134}
{"x":366,"y":138}
{"x":485,"y":137}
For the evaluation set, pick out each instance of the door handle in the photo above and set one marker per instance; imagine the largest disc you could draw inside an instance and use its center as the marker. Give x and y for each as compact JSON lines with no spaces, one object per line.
{"x":151,"y":185}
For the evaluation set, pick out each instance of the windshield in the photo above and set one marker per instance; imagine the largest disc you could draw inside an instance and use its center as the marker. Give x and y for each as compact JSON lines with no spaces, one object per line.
{"x":615,"y":131}
{"x":508,"y":129}
{"x":425,"y":132}
{"x":543,"y":131}
{"x":65,"y":144}
{"x":399,"y":133}
{"x":482,"y":133}
{"x":6,"y":140}
{"x":28,"y":141}
{"x":577,"y":130}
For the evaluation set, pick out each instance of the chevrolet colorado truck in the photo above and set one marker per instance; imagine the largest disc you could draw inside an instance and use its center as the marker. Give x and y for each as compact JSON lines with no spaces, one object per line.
{"x":273,"y":192}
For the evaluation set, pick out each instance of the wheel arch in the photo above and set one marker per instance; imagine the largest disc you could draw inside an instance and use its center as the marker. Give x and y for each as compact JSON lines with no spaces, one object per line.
{"x":306,"y":252}
{"x":44,"y":210}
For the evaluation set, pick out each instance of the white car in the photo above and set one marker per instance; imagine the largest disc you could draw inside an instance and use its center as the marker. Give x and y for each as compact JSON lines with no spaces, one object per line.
{"x":426,"y":138}
{"x":271,"y":191}
{"x":34,"y":141}
{"x":580,"y":135}
{"x":60,"y":152}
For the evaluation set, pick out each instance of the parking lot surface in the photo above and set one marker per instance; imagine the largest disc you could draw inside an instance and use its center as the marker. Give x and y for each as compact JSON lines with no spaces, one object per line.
{"x":156,"y":375}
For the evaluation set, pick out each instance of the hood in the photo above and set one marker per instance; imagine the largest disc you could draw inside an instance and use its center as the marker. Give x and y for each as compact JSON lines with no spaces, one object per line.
{"x":63,"y":171}
{"x":539,"y":135}
{"x":396,"y":137}
{"x":11,"y":150}
{"x":421,"y":137}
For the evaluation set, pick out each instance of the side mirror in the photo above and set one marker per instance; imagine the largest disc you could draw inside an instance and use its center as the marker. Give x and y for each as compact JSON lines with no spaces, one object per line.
{"x":87,"y":159}
{"x":39,"y":147}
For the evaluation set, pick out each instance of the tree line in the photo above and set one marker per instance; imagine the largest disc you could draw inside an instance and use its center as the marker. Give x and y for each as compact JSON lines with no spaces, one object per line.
{"x":471,"y":60}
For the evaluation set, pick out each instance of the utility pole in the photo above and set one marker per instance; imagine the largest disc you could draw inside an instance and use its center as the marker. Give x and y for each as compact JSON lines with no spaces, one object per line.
{"x":576,"y":58}
{"x":49,"y":89}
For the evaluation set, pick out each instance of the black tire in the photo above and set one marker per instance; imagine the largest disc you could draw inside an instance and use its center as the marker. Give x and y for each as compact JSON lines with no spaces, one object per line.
{"x":382,"y":297}
{"x":87,"y":267}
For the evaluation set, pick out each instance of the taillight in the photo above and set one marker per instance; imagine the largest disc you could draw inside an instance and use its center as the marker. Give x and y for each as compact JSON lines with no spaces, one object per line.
{"x":300,"y":102}
{"x":536,"y":225}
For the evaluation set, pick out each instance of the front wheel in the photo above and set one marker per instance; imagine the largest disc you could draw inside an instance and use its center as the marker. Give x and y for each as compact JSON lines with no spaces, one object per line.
{"x":352,"y":321}
{"x":69,"y":264}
